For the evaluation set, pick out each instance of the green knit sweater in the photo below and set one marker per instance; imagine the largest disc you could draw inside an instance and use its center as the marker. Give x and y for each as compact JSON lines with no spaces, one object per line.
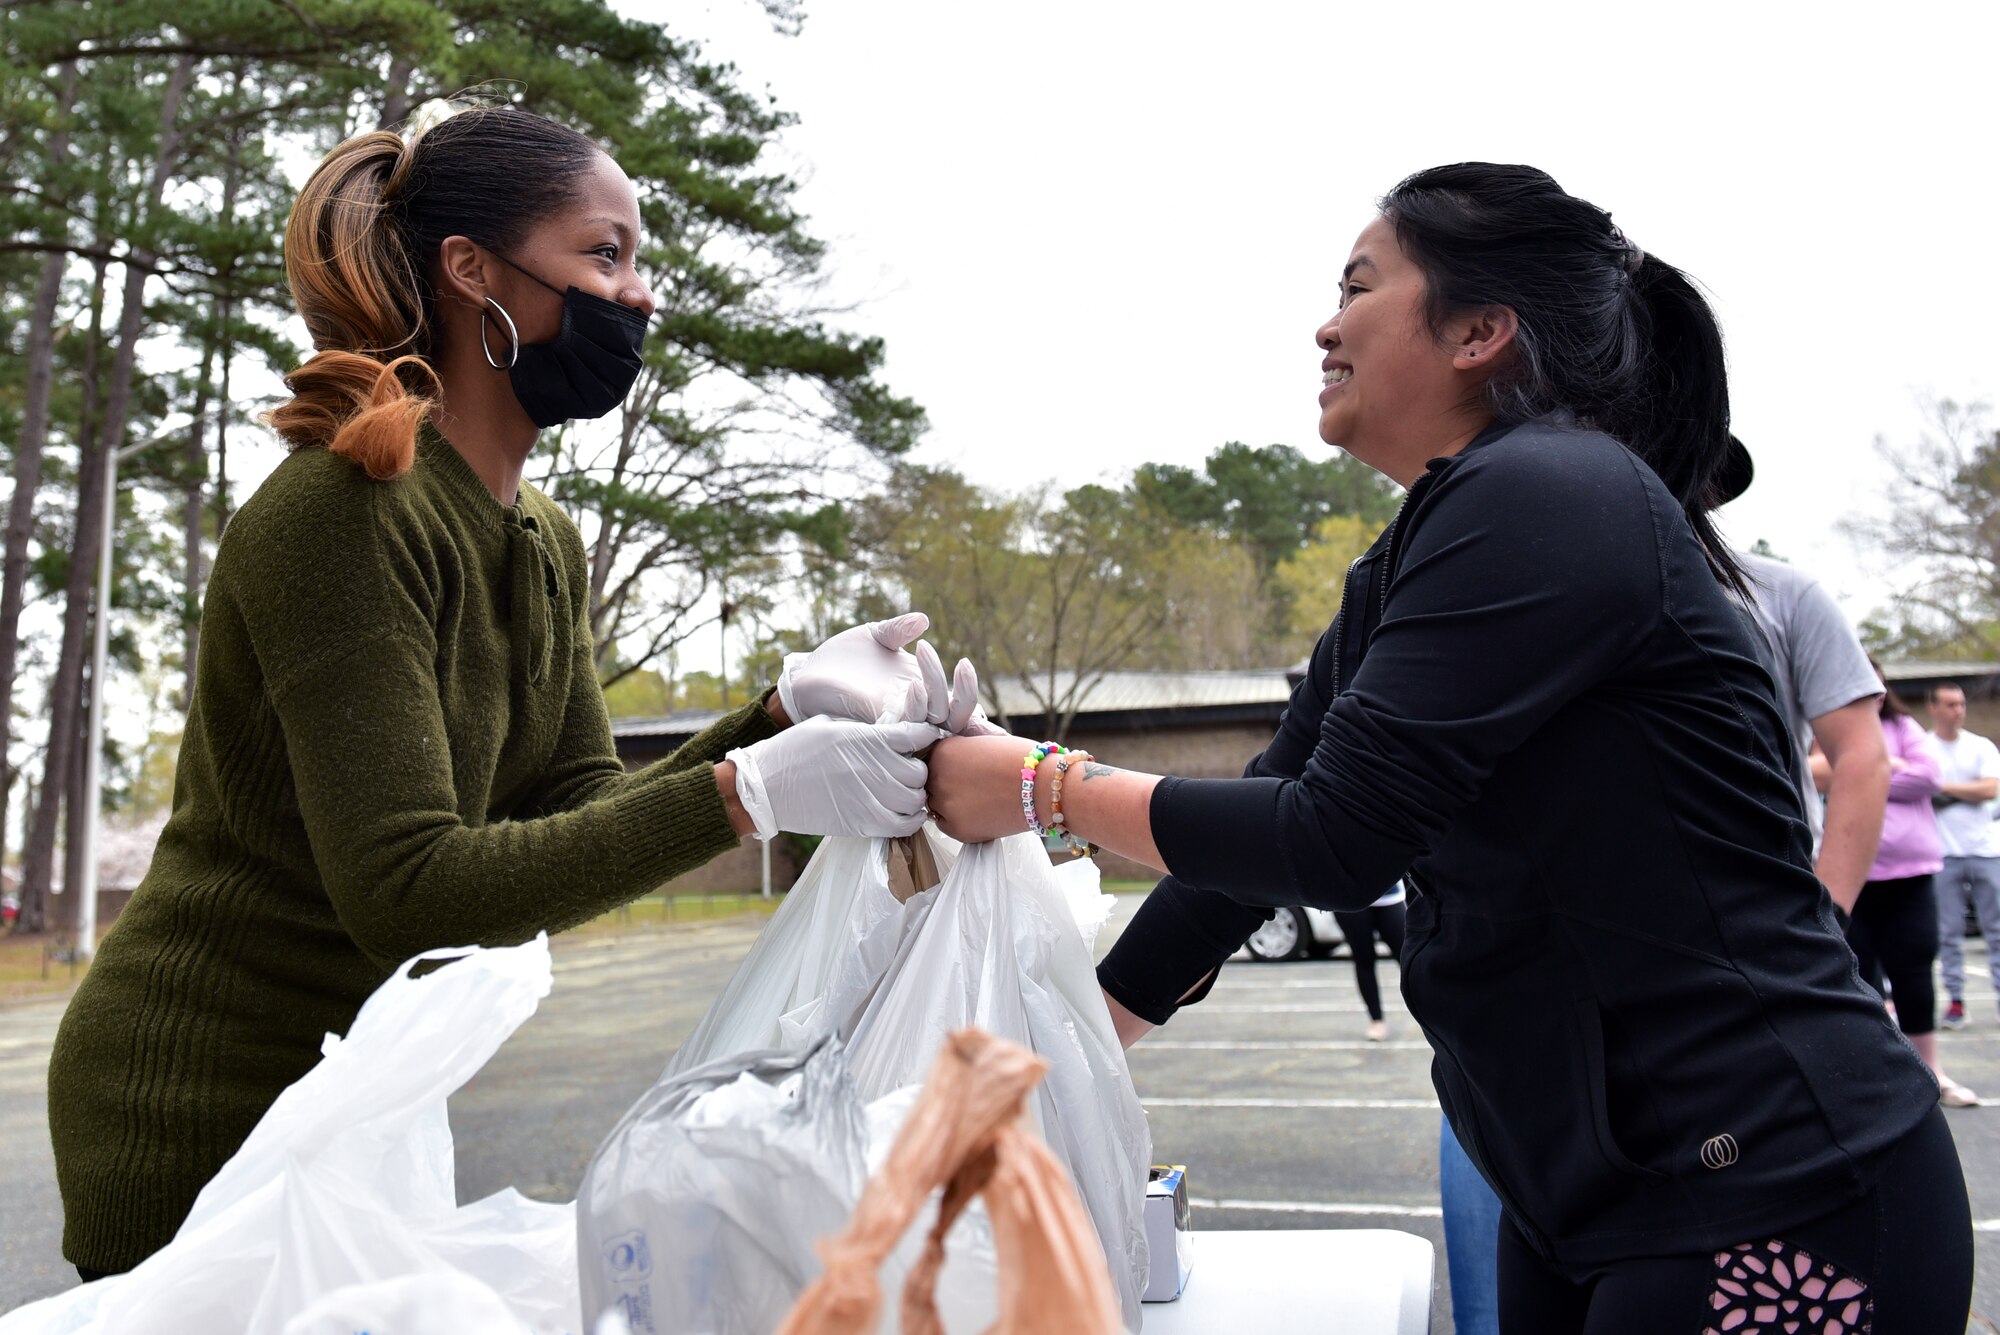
{"x":397,"y":742}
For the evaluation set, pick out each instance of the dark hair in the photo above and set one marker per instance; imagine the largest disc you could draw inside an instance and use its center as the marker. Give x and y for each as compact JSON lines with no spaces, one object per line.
{"x":1937,"y":686}
{"x":1616,"y":337}
{"x":1891,"y":706}
{"x":359,"y":248}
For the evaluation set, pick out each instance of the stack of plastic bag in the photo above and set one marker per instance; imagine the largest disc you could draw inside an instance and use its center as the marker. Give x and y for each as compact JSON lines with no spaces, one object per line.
{"x":339,"y":1213}
{"x":1003,"y":944}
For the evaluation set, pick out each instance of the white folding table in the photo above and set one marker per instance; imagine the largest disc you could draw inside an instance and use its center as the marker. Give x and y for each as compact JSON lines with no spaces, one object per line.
{"x":1363,"y":1281}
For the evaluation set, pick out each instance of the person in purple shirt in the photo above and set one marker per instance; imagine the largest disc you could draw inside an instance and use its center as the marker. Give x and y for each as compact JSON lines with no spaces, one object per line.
{"x":1894,"y":932}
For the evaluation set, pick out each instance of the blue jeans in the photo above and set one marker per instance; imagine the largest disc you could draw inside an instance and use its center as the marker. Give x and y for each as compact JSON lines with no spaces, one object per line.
{"x":1471,"y":1239}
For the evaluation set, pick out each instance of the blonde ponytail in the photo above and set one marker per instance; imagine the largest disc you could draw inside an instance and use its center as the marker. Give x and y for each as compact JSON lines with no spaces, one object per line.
{"x":367,"y":387}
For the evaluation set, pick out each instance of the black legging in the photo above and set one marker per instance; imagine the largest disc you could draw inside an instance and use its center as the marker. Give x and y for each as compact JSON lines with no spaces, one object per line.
{"x":1902,"y":1255}
{"x":1895,"y":934}
{"x":1360,"y":927}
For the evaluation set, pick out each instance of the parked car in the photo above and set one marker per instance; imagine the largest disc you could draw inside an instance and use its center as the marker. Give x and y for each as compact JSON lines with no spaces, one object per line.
{"x":1295,"y":934}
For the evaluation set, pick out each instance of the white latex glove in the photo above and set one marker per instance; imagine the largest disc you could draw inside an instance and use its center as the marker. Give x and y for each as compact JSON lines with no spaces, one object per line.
{"x":953,"y":706}
{"x":836,"y":776}
{"x":862,"y":673}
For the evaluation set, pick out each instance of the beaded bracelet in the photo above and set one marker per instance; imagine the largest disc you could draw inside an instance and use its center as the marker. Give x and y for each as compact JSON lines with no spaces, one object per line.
{"x":1042,"y":751}
{"x":1077,"y":847}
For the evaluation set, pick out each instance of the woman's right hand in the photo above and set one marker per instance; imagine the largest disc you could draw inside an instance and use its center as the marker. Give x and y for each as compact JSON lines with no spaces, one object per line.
{"x":835,"y":776}
{"x":881,"y":668}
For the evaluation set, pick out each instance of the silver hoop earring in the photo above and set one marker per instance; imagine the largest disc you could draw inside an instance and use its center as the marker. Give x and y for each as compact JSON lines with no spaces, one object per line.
{"x":513,"y":338}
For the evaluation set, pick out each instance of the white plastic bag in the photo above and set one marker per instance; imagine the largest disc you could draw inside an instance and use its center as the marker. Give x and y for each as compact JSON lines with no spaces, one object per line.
{"x":1000,"y":949}
{"x":348,"y":1181}
{"x":834,"y":936}
{"x":1002,"y":943}
{"x":428,"y":1304}
{"x":699,"y":1211}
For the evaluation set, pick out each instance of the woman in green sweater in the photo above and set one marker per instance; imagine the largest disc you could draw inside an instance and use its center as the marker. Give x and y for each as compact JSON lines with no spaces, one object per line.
{"x":397,"y":740}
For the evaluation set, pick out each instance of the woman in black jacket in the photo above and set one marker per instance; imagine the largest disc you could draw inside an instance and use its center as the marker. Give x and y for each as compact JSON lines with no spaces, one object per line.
{"x":1542,"y":706}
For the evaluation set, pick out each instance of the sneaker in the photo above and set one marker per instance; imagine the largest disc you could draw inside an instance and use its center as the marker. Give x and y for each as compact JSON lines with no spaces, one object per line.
{"x":1954,"y":1095}
{"x":1377,"y":1031}
{"x":1954,"y":1016}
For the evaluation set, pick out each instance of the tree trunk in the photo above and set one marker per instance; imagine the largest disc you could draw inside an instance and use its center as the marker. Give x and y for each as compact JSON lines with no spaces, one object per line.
{"x":222,"y":426}
{"x":396,"y":106}
{"x":91,"y":511}
{"x":197,"y":456}
{"x":38,"y":853}
{"x":28,"y":460}
{"x":195,"y":463}
{"x":70,"y":915}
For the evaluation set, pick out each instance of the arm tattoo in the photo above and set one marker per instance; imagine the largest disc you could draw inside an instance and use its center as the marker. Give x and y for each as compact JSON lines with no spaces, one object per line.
{"x":1093,"y":770}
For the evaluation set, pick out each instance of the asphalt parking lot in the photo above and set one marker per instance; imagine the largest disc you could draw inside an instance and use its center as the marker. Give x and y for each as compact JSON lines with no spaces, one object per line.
{"x":1285,"y":1115}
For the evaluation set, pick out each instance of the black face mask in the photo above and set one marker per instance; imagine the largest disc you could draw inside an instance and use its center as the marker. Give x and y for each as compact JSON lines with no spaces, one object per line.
{"x":587,"y":369}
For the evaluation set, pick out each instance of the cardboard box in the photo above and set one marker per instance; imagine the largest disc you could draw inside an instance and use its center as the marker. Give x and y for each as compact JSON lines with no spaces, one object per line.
{"x":1167,"y":1232}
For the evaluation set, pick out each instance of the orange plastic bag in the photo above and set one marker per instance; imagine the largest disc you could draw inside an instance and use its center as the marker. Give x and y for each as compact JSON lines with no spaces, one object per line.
{"x":969,"y":1132}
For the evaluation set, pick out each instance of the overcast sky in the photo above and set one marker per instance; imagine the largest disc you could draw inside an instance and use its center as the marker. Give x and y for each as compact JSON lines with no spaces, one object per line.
{"x":1095,"y":235}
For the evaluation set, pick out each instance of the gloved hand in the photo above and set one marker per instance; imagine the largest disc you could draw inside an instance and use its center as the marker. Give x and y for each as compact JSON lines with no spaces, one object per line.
{"x":836,"y":776}
{"x":858,"y":674}
{"x":953,"y":707}
{"x":864,"y":674}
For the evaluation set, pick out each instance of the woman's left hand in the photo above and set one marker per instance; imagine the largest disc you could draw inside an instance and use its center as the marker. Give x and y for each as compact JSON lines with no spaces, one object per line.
{"x":975,"y":786}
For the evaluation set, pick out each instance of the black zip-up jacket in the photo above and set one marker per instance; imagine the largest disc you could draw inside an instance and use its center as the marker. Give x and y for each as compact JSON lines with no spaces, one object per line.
{"x":1539,"y":705}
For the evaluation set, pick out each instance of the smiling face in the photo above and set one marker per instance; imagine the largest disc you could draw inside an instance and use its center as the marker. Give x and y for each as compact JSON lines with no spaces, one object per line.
{"x":1393,"y":392}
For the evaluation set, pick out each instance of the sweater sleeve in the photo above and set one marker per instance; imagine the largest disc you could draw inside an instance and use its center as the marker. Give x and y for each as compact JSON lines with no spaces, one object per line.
{"x":1527,"y":578}
{"x":366,"y":738}
{"x":1923,"y":774}
{"x":339,"y":591}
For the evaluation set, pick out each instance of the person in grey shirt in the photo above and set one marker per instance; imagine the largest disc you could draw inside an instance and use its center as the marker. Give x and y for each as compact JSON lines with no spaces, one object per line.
{"x":1830,"y":695}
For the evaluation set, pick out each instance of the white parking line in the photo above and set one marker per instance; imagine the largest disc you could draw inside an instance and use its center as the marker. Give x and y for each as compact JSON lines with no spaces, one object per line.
{"x":1290,"y":1008}
{"x":1338,"y":1104}
{"x":1226,"y":984}
{"x":1320,"y":1207}
{"x":1986,"y":1226}
{"x":1274,"y":1045}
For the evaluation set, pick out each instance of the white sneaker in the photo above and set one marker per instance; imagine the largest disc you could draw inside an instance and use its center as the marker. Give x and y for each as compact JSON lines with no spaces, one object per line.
{"x":1377,"y":1031}
{"x":1954,"y":1095}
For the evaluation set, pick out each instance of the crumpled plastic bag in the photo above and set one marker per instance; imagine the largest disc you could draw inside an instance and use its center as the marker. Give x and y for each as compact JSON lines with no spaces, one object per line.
{"x":835,"y":933}
{"x":1003,"y":944}
{"x":346,"y":1184}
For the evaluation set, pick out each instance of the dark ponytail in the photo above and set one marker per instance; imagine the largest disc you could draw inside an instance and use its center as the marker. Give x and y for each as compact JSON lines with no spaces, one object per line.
{"x":1617,"y":338}
{"x":360,"y":247}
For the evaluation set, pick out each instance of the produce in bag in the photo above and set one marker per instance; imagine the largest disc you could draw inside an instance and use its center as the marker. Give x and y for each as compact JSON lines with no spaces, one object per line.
{"x":969,"y":1134}
{"x":346,"y":1184}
